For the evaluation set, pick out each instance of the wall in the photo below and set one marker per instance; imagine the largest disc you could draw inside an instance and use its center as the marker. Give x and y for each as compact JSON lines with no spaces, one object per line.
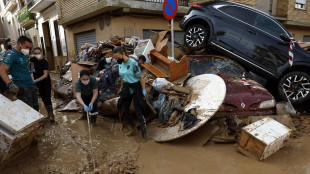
{"x":298,"y":32}
{"x":121,"y":26}
{"x":68,"y":7}
{"x":263,"y":5}
{"x":50,"y":15}
{"x":299,"y":15}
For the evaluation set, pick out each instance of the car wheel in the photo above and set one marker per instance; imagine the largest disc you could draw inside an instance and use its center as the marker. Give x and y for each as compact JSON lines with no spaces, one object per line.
{"x":296,"y":85}
{"x":196,"y":37}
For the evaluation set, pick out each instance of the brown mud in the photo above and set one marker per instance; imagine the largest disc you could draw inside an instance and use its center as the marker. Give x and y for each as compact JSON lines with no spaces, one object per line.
{"x":65,"y":148}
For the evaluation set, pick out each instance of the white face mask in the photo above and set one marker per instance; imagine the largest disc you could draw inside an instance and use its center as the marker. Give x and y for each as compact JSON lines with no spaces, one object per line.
{"x":24,"y":51}
{"x":85,"y":82}
{"x":38,"y":56}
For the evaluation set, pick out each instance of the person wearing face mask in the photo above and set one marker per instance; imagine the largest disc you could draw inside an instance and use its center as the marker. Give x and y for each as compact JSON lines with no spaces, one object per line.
{"x":132,"y":88}
{"x":86,"y":91}
{"x":16,"y":63}
{"x":43,"y":80}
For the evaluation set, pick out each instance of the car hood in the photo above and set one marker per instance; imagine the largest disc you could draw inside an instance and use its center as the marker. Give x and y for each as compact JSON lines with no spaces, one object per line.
{"x":245,"y":97}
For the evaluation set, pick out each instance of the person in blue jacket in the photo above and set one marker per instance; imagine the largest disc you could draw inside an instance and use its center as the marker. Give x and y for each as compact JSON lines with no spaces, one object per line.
{"x":132,"y":88}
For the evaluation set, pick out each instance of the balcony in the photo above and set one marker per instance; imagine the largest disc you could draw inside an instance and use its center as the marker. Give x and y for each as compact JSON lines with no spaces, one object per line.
{"x":25,"y":18}
{"x":116,"y":8}
{"x":9,"y":5}
{"x":37,"y":6}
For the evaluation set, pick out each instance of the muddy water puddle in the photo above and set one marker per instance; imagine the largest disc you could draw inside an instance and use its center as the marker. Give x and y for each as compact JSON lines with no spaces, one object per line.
{"x":221,"y":158}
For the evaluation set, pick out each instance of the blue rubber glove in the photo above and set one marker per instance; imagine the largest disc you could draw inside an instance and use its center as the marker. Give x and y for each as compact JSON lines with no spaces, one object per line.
{"x":90,"y":107}
{"x":120,"y":89}
{"x":144,"y":92}
{"x":35,"y":81}
{"x":85,"y":108}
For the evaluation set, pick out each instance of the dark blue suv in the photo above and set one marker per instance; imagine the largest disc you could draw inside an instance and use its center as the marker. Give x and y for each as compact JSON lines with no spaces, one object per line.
{"x":254,"y":39}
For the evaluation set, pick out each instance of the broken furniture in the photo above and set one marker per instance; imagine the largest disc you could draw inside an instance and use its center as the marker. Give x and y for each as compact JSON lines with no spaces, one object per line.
{"x":144,"y":49}
{"x":263,"y":138}
{"x":18,"y":125}
{"x":162,"y":67}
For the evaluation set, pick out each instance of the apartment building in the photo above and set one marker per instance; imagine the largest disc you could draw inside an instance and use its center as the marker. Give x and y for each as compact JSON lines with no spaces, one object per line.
{"x":38,"y":20}
{"x":9,"y":21}
{"x":93,"y":21}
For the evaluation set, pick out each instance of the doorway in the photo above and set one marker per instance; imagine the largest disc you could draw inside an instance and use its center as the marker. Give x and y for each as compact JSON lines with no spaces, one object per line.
{"x":48,"y":46}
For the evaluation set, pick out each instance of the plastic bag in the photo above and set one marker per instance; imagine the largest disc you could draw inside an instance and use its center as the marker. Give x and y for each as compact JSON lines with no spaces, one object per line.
{"x":160,"y":84}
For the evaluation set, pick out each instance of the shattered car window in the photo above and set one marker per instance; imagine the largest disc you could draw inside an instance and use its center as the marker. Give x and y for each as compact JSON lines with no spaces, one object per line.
{"x":216,"y":65}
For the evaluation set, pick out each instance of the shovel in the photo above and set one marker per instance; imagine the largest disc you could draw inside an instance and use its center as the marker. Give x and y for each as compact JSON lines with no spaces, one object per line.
{"x":289,"y":107}
{"x":90,"y":140}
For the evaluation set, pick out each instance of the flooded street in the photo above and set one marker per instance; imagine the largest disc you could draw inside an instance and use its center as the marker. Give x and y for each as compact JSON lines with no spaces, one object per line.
{"x":65,"y":148}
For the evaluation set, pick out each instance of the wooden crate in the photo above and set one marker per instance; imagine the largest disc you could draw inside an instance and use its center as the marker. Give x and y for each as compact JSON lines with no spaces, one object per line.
{"x":263,"y":138}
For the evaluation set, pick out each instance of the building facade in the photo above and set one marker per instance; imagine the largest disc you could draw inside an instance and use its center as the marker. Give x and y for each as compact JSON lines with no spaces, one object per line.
{"x":38,"y":20}
{"x":93,"y":21}
{"x":50,"y":34}
{"x":9,"y":21}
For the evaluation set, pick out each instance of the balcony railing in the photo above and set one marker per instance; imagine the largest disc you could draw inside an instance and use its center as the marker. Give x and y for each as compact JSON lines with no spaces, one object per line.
{"x":180,"y":2}
{"x":24,"y":15}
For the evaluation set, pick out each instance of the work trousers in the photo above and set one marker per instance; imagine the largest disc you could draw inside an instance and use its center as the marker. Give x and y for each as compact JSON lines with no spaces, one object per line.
{"x":138,"y":100}
{"x":45,"y":89}
{"x":28,"y":95}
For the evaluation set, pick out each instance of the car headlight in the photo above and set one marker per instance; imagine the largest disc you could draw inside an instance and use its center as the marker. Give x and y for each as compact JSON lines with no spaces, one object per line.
{"x":267,"y":104}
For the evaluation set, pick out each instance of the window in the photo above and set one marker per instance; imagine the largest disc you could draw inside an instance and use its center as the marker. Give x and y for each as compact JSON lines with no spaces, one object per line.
{"x":237,"y":12}
{"x":306,"y":38}
{"x":268,"y":26}
{"x":300,"y":4}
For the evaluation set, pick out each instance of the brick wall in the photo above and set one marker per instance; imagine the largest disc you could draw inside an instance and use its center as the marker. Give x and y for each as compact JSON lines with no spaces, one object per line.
{"x":66,"y":8}
{"x":282,"y":8}
{"x":298,"y":15}
{"x":251,"y":3}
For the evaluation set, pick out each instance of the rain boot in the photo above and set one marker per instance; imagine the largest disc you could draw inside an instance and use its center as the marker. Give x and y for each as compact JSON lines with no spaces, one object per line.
{"x":93,"y":119}
{"x":84,"y":116}
{"x":50,"y":114}
{"x":143,"y":131}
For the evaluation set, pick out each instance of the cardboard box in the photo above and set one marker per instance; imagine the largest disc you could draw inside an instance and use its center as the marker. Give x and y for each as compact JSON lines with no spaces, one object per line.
{"x":261,"y":139}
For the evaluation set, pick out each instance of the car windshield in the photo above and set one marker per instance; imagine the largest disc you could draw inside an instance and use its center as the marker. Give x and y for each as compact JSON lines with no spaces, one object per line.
{"x":215,"y":65}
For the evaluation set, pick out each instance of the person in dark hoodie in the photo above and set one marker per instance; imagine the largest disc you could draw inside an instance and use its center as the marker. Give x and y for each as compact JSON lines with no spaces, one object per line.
{"x":132,"y":88}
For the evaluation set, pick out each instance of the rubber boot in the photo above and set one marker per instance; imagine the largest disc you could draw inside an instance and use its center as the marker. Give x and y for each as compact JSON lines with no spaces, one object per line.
{"x":93,"y":119}
{"x":143,"y":131}
{"x":84,"y":116}
{"x":50,"y":114}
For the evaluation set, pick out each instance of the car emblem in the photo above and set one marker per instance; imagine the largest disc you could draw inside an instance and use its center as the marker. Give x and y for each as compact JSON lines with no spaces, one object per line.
{"x":243,"y":105}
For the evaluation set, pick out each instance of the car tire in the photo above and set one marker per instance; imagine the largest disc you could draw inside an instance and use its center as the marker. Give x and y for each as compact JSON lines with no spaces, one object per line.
{"x":196,"y":37}
{"x":296,"y":85}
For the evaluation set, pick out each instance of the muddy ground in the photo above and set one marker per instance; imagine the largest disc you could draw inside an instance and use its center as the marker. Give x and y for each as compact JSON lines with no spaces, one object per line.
{"x":65,"y":148}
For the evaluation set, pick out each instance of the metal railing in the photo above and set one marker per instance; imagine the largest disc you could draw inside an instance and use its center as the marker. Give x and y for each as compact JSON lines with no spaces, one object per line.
{"x":180,"y":2}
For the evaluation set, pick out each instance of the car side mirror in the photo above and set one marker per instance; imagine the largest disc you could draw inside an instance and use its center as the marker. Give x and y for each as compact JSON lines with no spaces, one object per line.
{"x":284,"y":38}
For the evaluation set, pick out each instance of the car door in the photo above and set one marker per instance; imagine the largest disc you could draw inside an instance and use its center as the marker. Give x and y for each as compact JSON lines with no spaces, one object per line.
{"x":230,"y":26}
{"x":263,"y":45}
